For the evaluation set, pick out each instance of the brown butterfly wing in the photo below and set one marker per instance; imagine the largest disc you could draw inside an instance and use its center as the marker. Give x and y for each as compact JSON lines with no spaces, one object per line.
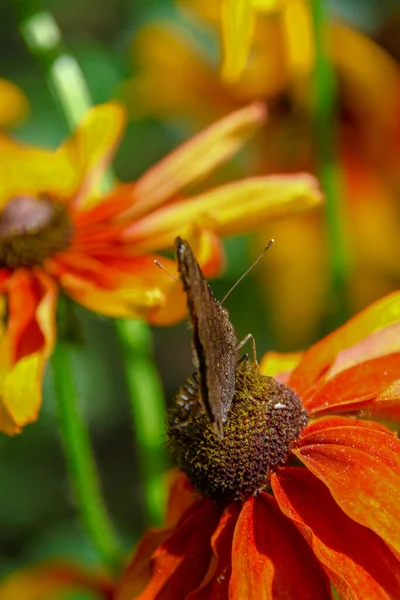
{"x":214,"y":339}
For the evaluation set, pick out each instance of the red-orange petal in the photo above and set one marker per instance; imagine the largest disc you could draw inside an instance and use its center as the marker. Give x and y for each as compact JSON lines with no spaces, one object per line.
{"x":319,"y":357}
{"x":215,"y":584}
{"x":359,"y":563}
{"x":26,"y":343}
{"x":361,"y":467}
{"x":270,"y":559}
{"x":122,"y":286}
{"x":336,"y":421}
{"x":180,"y":563}
{"x":356,"y":388}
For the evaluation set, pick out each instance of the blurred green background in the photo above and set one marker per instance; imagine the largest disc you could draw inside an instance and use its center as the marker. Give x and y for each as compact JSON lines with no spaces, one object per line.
{"x":37,"y":515}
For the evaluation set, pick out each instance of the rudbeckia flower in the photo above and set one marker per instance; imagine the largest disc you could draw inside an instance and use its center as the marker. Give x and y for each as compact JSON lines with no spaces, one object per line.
{"x":278,"y":70}
{"x":13,"y":104}
{"x":58,"y":231}
{"x":301,"y":494}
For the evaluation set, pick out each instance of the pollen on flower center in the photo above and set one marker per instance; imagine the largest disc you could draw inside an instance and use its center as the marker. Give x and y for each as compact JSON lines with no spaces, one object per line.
{"x":32,"y":229}
{"x":264,"y":421}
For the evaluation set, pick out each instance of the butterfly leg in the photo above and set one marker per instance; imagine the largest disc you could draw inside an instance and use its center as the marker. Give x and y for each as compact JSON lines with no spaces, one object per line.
{"x":244,"y":341}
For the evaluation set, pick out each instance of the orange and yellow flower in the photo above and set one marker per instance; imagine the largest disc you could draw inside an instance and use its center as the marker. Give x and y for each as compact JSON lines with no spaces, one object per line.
{"x":329,"y":516}
{"x":58,"y":231}
{"x":49,"y":580}
{"x":278,"y":70}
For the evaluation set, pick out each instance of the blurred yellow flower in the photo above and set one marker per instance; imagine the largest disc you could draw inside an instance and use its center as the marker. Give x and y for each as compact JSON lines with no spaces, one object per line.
{"x":278,"y":70}
{"x":58,"y":231}
{"x":13,"y":104}
{"x":52,"y":579}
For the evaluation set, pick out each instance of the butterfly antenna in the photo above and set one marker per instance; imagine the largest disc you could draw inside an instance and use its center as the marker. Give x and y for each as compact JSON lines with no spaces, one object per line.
{"x":248,"y":270}
{"x":161,"y":266}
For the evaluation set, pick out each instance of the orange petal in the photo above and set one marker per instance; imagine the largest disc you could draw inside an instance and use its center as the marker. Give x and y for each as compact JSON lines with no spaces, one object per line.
{"x":27,"y":342}
{"x":180,"y":563}
{"x":44,"y":582}
{"x":13,"y":104}
{"x":91,"y":148}
{"x":379,"y":343}
{"x":270,"y":558}
{"x":228,"y":209}
{"x":181,"y":497}
{"x":335,"y":421}
{"x":238,"y":21}
{"x":216,"y":582}
{"x":195,"y":159}
{"x":279,"y":366}
{"x":361,"y":387}
{"x":319,"y":357}
{"x":358,"y":562}
{"x":139,"y":570}
{"x":131,"y":288}
{"x":361,"y":467}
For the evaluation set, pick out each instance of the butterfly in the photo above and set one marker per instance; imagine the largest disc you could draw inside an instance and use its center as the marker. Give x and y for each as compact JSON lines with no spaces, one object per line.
{"x":215,"y":344}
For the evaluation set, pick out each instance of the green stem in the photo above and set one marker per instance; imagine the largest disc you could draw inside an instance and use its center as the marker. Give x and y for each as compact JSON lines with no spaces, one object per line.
{"x":80,"y":462}
{"x":148,"y":411}
{"x":43,"y":38}
{"x":325,"y":126}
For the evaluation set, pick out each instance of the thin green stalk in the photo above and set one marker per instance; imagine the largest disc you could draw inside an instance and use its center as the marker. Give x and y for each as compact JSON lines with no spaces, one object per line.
{"x":80,"y":462}
{"x":44,"y":39}
{"x":325,"y":96}
{"x":148,"y":411}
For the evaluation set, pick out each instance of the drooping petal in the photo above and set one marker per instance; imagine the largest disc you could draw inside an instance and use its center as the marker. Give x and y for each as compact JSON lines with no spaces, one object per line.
{"x":361,"y":467}
{"x":238,"y":21}
{"x":181,"y":496}
{"x":139,"y":571}
{"x":26,"y":344}
{"x":117,"y":286}
{"x":44,"y":582}
{"x":279,"y":366}
{"x":228,"y":209}
{"x":180,"y":563}
{"x":13,"y":104}
{"x":358,"y":562}
{"x":319,"y":357}
{"x":361,"y":387}
{"x":270,"y":558}
{"x":92,"y":146}
{"x":195,"y":159}
{"x":215,"y":584}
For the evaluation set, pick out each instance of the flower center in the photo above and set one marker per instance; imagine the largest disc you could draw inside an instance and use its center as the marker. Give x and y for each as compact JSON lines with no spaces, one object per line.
{"x":32,"y":229}
{"x":264,"y":421}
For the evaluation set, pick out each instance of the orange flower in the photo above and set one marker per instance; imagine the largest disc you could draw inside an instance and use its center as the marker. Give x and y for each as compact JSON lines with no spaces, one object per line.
{"x":57,"y":231}
{"x":13,"y":104}
{"x":278,"y":70}
{"x":328,"y":513}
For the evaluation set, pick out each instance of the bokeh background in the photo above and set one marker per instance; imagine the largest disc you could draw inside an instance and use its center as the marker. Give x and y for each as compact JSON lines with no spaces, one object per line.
{"x":37,"y":515}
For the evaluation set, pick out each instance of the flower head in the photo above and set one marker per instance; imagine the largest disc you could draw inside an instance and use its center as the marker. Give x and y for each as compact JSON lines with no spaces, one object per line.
{"x":325,"y":514}
{"x":59,"y":231}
